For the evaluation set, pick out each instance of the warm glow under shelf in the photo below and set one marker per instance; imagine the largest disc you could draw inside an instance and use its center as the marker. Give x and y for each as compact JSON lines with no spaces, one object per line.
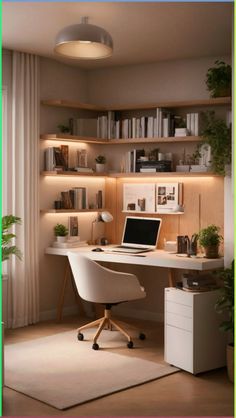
{"x":129,"y":175}
{"x":98,"y":141}
{"x":164,"y":212}
{"x":71,"y":210}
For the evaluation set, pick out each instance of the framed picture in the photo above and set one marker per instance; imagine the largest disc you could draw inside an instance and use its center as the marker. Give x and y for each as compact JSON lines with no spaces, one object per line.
{"x":73,"y":227}
{"x":139,"y":198}
{"x":167,"y":195}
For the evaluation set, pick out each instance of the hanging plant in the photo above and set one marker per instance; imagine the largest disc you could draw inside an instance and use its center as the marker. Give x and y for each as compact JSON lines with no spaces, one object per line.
{"x":218,"y":135}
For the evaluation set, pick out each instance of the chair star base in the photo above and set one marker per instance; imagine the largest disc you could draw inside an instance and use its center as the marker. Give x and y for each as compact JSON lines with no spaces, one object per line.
{"x":102,"y":323}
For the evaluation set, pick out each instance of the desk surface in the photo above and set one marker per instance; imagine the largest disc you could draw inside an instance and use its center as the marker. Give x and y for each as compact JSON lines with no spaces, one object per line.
{"x":158,"y":258}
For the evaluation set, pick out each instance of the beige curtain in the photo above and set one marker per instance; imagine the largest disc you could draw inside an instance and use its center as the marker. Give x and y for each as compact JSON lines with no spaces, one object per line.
{"x":24,"y":189}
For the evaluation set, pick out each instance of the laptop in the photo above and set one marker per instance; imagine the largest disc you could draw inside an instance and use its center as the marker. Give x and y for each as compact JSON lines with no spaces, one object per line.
{"x":139,"y":235}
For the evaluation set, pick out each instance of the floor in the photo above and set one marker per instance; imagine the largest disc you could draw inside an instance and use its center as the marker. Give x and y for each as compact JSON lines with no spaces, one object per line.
{"x":180,"y":394}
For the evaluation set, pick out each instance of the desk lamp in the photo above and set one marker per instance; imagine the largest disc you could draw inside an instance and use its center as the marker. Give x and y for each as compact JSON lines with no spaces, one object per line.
{"x":101,"y":217}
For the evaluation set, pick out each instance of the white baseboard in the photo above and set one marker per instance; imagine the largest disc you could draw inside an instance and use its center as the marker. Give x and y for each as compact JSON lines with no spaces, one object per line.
{"x":138,"y":314}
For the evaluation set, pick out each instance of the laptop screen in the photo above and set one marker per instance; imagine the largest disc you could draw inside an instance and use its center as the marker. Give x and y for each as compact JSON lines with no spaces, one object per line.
{"x":140,"y":232}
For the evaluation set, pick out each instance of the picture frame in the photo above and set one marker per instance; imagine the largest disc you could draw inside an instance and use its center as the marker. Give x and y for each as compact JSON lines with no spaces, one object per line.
{"x":73,"y":227}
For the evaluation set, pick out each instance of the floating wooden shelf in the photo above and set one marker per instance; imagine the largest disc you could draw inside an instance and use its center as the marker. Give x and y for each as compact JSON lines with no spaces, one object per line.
{"x":163,"y":174}
{"x":97,"y":141}
{"x":219,"y":101}
{"x":72,"y":138}
{"x":73,"y":105}
{"x":70,"y":210}
{"x":129,"y":175}
{"x":72,"y":173}
{"x":164,"y":212}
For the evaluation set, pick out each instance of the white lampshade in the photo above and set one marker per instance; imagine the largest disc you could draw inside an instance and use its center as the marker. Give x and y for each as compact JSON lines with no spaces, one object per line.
{"x":106,"y":216}
{"x":84,"y":41}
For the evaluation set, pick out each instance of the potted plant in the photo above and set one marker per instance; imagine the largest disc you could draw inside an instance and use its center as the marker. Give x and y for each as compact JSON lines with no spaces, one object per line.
{"x":60,"y":231}
{"x":209,"y":238}
{"x":225,"y":303}
{"x":218,"y":79}
{"x":7,"y":249}
{"x":64,"y":129}
{"x":218,"y":135}
{"x":100,"y":163}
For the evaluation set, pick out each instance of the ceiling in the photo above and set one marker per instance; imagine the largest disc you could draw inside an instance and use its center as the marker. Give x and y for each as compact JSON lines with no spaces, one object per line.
{"x":141,"y":32}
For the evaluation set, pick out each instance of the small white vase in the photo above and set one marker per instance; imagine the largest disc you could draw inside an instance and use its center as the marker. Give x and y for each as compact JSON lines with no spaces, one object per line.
{"x":100,"y":168}
{"x":61,"y":239}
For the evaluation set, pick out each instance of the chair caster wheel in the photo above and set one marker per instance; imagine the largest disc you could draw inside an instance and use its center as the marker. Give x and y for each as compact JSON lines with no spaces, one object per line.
{"x":142,"y":336}
{"x":95,"y":346}
{"x":130,"y":344}
{"x":80,"y":336}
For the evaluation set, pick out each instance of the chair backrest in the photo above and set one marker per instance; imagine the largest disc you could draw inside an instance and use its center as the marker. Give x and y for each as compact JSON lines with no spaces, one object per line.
{"x":98,"y":284}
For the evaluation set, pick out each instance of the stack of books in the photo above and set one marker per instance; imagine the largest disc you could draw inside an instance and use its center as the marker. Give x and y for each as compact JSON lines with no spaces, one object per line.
{"x":69,"y":244}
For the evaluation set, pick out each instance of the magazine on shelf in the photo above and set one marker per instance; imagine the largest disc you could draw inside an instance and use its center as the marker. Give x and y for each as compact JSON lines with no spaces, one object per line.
{"x":167,"y":196}
{"x":139,"y":197}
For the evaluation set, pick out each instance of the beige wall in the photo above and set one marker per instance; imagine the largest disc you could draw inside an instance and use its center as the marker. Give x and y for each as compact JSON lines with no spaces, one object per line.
{"x":176,"y":80}
{"x":163,"y":81}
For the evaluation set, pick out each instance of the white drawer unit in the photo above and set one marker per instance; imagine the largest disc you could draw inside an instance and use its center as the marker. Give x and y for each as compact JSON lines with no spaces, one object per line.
{"x":193,"y":341}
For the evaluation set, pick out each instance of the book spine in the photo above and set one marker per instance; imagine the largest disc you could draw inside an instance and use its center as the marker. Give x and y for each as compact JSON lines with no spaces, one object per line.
{"x":99,"y":199}
{"x":196,"y":124}
{"x":165,"y":128}
{"x":49,"y":162}
{"x":98,"y":127}
{"x":188,"y":123}
{"x":117,"y":135}
{"x":192,"y":124}
{"x":160,"y":124}
{"x":133,"y":127}
{"x":157,"y":121}
{"x":65,"y":155}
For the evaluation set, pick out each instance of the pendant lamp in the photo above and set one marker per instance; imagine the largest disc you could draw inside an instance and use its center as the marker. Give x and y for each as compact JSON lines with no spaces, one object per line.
{"x":84,"y":41}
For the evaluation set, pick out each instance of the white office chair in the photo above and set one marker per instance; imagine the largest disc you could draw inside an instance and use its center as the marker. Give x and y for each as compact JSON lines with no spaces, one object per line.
{"x":99,"y":284}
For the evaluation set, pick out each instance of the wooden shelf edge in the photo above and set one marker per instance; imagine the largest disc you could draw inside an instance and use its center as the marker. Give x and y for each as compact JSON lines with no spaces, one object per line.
{"x":153,"y":213}
{"x":219,"y":101}
{"x":163,"y":174}
{"x":130,"y":175}
{"x":72,"y":173}
{"x":97,"y":141}
{"x":71,"y":210}
{"x":73,"y":105}
{"x":72,"y":138}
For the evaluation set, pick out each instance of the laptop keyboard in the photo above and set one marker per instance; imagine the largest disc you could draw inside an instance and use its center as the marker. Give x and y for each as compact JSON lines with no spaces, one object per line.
{"x":126,"y":249}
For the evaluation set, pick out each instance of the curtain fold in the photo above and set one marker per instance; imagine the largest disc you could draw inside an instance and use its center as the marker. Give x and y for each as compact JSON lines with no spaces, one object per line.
{"x":24,"y":189}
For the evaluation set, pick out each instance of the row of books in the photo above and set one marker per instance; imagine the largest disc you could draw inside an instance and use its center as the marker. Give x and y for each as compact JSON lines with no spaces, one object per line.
{"x":192,"y":123}
{"x":75,"y":198}
{"x":113,"y":126}
{"x":56,"y":157}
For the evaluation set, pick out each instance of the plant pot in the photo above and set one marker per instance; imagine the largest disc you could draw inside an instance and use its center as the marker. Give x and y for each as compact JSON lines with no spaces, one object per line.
{"x":222,"y":92}
{"x":100,"y":168}
{"x":230,"y":361}
{"x":212,"y":251}
{"x":61,"y":239}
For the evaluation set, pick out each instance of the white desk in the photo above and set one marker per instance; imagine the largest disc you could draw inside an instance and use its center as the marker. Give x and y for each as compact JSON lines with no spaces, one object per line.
{"x":158,"y":258}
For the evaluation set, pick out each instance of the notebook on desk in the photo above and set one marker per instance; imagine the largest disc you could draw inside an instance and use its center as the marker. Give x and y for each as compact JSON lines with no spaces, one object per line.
{"x":139,"y":235}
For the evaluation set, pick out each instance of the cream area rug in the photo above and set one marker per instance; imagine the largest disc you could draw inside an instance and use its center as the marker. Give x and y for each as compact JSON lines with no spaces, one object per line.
{"x":63,"y":372}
